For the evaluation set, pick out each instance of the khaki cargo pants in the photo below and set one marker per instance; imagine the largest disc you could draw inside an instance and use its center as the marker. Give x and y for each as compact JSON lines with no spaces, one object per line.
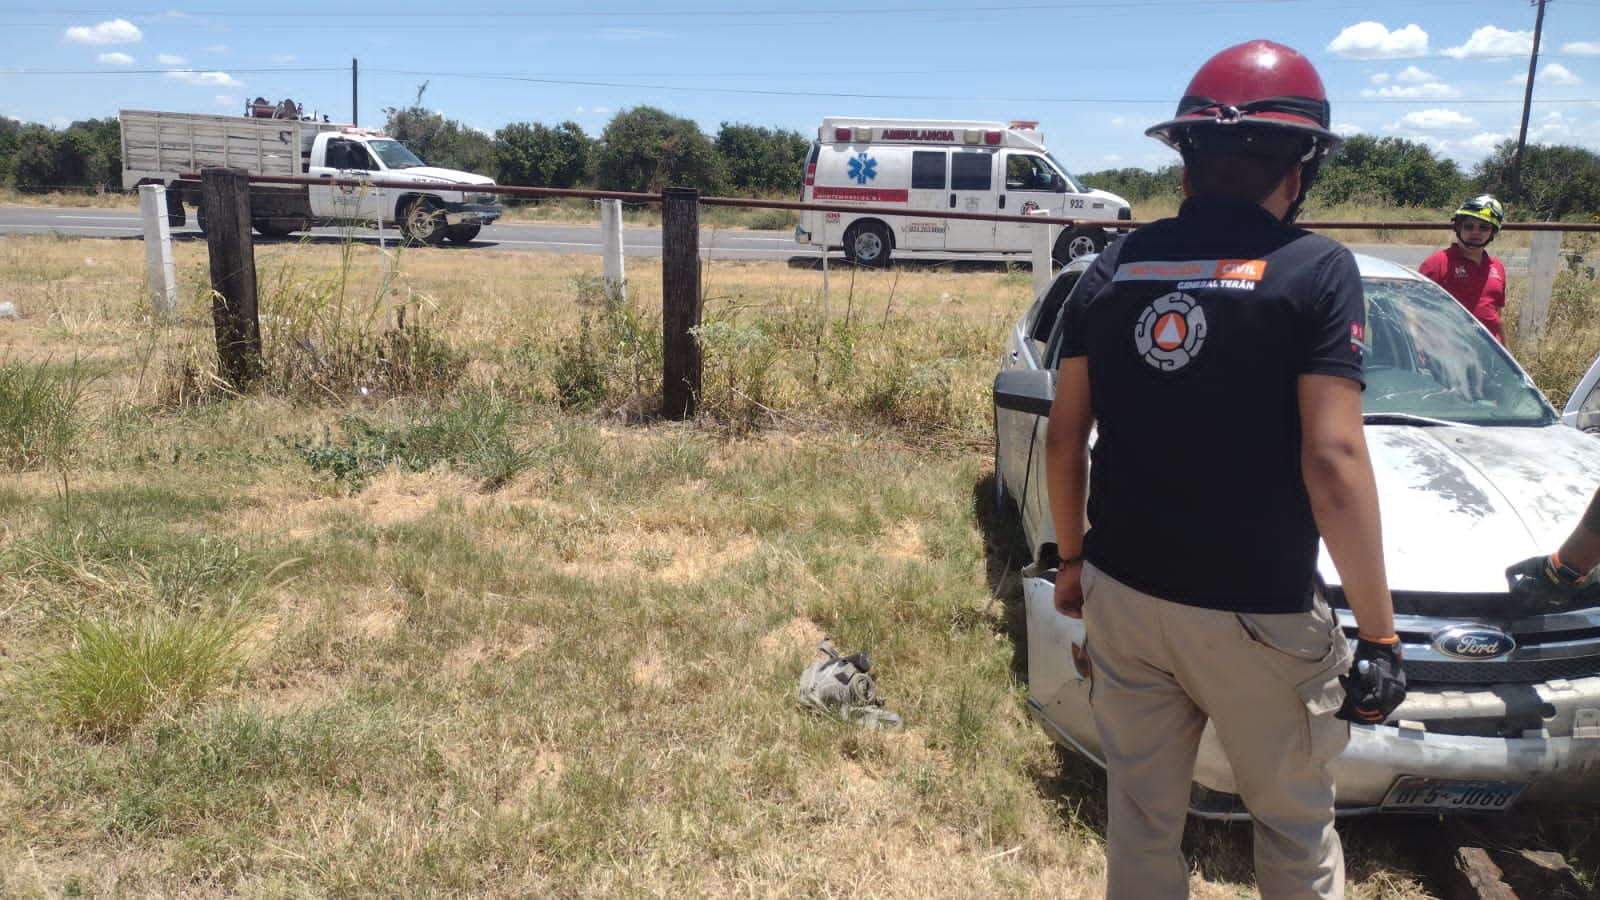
{"x":1269,"y":683}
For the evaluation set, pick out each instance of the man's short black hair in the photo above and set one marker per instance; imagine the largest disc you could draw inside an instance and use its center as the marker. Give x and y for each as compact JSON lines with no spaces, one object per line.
{"x":1241,"y":161}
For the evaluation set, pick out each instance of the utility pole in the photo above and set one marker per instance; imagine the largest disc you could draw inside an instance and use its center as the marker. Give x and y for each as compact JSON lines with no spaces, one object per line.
{"x":1527,"y":103}
{"x":354,"y":80}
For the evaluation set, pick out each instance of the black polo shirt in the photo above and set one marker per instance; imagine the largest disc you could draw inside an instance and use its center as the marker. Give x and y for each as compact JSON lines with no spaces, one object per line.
{"x":1196,"y":330}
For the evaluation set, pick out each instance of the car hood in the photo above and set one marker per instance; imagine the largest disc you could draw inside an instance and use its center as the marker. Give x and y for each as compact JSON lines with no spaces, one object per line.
{"x":1461,"y":503}
{"x":442,"y":176}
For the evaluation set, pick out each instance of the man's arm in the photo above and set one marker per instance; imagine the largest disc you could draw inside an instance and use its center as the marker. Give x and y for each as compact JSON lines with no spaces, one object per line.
{"x":1066,"y":454}
{"x":1344,"y":497}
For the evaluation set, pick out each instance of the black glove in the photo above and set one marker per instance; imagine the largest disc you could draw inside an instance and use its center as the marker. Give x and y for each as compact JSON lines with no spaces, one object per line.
{"x":1543,"y":582}
{"x":1375,"y":684}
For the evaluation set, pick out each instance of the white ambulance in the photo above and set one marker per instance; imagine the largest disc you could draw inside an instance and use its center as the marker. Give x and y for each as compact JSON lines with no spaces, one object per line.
{"x":974,"y":167}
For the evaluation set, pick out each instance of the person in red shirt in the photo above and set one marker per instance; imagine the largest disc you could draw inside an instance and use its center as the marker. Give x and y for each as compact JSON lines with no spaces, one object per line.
{"x":1466,"y":269}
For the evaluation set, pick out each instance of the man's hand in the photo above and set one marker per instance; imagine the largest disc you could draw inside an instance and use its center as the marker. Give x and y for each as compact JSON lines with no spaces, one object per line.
{"x":1542,"y":582}
{"x":1069,"y":590}
{"x":1375,"y":684}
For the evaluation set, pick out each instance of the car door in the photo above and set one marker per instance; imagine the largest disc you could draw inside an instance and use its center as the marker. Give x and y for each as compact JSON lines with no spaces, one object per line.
{"x":346,"y":159}
{"x":1583,"y":407}
{"x":1019,"y":434}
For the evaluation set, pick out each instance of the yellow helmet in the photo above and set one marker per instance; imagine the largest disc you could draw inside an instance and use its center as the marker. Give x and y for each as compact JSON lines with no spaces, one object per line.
{"x":1484,"y":207}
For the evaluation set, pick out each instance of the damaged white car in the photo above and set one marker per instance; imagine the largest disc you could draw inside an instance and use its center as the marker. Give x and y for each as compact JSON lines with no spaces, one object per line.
{"x":1475,"y":471}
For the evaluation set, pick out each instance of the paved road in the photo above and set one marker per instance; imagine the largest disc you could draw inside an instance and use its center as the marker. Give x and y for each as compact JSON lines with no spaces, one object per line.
{"x":638,"y":241}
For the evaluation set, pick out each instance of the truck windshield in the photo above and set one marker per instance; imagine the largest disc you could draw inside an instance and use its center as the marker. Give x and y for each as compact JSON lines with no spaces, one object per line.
{"x":394,"y":154}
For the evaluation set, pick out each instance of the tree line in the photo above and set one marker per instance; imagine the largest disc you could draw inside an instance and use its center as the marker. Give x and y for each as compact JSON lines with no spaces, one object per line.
{"x":645,"y":149}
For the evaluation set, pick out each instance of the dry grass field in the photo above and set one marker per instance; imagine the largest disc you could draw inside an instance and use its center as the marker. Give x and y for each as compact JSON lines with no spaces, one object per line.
{"x":438,"y":609}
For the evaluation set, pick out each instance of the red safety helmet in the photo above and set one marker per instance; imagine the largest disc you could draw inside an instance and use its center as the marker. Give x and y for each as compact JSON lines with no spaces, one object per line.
{"x":1257,"y":83}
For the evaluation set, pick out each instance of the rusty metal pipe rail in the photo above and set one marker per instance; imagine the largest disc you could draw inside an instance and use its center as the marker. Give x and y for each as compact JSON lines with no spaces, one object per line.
{"x":645,"y":198}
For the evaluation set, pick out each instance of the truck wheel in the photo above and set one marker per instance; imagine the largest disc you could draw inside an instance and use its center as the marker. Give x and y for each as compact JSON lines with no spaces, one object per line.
{"x":274,"y":227}
{"x":1078,"y":242}
{"x":423,"y":221}
{"x":462,"y":234}
{"x":867,"y":244}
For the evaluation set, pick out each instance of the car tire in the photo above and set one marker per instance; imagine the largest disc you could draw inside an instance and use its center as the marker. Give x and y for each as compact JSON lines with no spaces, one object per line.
{"x":1078,"y":242}
{"x":867,"y":244}
{"x":462,"y":234}
{"x":423,"y":221}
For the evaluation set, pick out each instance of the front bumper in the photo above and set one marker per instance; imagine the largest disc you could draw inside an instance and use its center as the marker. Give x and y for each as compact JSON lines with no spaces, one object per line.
{"x":1545,"y":735}
{"x":472,"y":213}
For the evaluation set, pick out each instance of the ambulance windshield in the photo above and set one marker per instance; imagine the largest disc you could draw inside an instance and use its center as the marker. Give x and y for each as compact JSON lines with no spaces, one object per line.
{"x":1075,"y":184}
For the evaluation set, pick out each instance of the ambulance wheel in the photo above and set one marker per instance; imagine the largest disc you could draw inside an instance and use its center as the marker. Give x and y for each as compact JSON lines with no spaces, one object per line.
{"x":867,"y":244}
{"x":1078,"y":242}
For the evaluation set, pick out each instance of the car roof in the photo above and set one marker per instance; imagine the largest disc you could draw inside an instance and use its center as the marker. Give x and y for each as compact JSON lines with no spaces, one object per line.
{"x":1373,"y":267}
{"x":1369,"y":266}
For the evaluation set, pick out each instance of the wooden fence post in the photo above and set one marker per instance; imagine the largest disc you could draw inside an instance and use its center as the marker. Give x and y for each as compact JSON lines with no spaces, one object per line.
{"x":680,"y":301}
{"x":225,"y":196}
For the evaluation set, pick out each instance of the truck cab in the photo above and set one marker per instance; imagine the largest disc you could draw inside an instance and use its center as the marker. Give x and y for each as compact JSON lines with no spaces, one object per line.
{"x":428,"y":214}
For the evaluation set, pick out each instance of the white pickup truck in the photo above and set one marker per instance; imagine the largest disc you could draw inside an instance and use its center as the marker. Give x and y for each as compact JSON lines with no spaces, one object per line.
{"x":434,"y":205}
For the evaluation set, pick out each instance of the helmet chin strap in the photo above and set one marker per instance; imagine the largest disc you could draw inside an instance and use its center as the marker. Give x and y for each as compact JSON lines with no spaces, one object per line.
{"x":1461,"y":239}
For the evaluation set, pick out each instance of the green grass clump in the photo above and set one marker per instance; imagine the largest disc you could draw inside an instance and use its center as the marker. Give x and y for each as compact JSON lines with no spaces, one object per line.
{"x":113,"y":676}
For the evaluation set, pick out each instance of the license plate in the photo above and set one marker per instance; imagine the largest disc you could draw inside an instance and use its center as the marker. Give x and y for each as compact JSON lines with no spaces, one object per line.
{"x":1414,"y":792}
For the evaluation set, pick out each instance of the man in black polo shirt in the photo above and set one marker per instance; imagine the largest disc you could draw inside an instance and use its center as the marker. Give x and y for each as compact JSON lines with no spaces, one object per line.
{"x":1219,"y":354}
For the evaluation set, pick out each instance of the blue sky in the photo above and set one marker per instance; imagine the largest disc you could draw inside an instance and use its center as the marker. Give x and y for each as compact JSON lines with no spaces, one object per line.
{"x":1446,"y":73}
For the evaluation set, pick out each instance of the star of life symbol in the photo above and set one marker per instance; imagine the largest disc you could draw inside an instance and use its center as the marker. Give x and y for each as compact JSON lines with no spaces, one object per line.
{"x":862,"y":168}
{"x":1170,"y":331}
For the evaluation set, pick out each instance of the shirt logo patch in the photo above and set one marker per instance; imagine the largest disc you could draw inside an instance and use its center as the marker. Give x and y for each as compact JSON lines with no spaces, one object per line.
{"x":1358,"y":338}
{"x":1170,"y":332}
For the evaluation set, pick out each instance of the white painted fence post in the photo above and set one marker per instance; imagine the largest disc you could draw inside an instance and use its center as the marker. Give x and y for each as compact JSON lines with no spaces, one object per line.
{"x":160,"y":272}
{"x":611,"y":235}
{"x":1543,"y":255}
{"x":1044,"y":242}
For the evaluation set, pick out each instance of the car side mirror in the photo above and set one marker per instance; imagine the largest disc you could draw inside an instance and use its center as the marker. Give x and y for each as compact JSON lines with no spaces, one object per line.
{"x":1029,"y":391}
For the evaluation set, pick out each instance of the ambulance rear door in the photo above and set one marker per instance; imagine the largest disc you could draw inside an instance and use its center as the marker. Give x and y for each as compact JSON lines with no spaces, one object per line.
{"x":930,"y":189}
{"x":973,"y":190}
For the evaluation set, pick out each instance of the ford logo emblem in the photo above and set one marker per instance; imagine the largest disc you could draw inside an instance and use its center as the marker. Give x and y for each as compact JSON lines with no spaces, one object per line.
{"x":1474,"y":642}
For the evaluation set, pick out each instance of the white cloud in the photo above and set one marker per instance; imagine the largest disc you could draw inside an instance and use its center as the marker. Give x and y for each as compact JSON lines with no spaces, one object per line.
{"x":1119,"y":121}
{"x":115,"y":59}
{"x":205,"y":79}
{"x":1581,"y":48}
{"x":1412,"y":84}
{"x":1556,"y":73}
{"x":282,"y":57}
{"x":1371,"y":40}
{"x":116,"y":31}
{"x":1435,"y":120}
{"x":168,"y":59}
{"x":1345,"y":129}
{"x":1484,"y":142}
{"x":1552,"y":127}
{"x":1490,"y":42}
